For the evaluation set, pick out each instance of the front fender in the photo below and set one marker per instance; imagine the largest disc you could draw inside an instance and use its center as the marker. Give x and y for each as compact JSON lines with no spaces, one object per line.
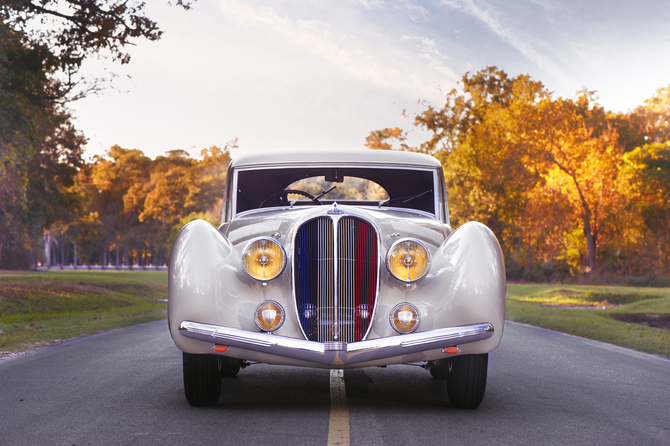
{"x":466,"y":285}
{"x":198,"y":255}
{"x":204,"y":281}
{"x":207,"y":283}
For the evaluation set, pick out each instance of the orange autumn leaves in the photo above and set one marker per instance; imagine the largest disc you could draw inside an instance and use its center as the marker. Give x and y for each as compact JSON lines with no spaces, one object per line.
{"x":567,"y":186}
{"x":131,"y":203}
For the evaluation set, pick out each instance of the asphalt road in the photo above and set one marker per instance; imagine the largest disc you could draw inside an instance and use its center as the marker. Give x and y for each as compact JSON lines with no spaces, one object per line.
{"x":124,"y":387}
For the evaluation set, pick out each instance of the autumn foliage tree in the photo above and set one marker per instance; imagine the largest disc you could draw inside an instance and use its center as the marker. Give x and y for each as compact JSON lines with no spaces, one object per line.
{"x":560,"y":181}
{"x":138,"y":201}
{"x":646,"y":172}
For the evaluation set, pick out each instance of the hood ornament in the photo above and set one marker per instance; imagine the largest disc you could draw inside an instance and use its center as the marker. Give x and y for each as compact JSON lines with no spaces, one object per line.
{"x":335,"y":210}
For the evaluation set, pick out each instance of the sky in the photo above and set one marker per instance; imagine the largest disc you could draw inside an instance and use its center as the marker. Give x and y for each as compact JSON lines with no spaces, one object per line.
{"x":284,"y":75}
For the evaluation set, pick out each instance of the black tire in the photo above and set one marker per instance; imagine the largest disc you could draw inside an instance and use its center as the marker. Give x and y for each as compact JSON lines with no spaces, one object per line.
{"x":439,"y":369}
{"x":202,"y":379}
{"x":466,"y":379}
{"x":228,"y":367}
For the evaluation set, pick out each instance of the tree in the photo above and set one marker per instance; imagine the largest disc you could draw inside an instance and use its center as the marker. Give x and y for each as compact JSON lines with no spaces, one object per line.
{"x":39,"y":149}
{"x":582,"y":159}
{"x":646,"y":174}
{"x":377,"y":139}
{"x":105,"y":190}
{"x":72,"y":30}
{"x":139,"y":200}
{"x":42,"y":46}
{"x":478,"y":136}
{"x":208,"y":179}
{"x":537,"y":170}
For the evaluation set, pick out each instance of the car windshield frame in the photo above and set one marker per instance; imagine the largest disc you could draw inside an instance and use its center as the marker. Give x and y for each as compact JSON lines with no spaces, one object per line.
{"x":403,"y":193}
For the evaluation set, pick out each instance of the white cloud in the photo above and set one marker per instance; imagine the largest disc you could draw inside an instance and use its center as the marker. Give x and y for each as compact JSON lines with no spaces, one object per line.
{"x":355,"y":56}
{"x":428,"y":51}
{"x":494,"y":21}
{"x":371,"y":4}
{"x":416,"y":12}
{"x":548,"y":5}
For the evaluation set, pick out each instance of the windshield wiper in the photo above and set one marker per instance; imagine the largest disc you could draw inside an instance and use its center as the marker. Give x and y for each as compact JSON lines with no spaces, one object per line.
{"x":316,"y":197}
{"x":405,"y":199}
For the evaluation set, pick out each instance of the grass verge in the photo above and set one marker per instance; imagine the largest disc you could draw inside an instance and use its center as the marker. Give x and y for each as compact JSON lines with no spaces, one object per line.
{"x":38,"y":309}
{"x":625,"y":316}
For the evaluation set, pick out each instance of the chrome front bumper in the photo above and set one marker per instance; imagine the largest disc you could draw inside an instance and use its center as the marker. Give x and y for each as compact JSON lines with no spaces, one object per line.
{"x":333,"y":354}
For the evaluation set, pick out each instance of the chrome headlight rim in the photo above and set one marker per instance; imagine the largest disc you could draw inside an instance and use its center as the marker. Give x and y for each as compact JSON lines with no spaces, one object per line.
{"x":396,"y":308}
{"x":272,"y":240}
{"x":282,"y":313}
{"x":413,"y":240}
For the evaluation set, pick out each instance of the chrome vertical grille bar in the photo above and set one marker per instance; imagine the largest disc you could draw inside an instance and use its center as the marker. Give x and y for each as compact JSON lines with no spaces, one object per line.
{"x":326,"y":260}
{"x":346,"y":278}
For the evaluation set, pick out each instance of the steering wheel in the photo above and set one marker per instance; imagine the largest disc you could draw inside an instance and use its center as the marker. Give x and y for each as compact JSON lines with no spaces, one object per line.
{"x":283,"y":197}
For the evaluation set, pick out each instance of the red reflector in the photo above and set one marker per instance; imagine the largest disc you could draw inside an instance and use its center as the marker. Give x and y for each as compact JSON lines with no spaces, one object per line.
{"x":220,"y":348}
{"x":451,"y":350}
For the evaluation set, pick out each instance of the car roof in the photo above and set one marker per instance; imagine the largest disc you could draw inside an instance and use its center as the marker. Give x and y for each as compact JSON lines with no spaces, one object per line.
{"x":347,"y":157}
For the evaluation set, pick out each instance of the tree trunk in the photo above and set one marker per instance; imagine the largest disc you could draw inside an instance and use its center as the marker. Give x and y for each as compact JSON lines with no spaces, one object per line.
{"x":47,"y":249}
{"x":590,"y":244}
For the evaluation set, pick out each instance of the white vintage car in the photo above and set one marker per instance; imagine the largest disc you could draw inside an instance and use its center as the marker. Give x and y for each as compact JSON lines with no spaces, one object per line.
{"x":336,"y":260}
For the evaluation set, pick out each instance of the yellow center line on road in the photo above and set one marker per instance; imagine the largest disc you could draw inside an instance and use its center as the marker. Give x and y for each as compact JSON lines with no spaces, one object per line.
{"x":338,"y":427}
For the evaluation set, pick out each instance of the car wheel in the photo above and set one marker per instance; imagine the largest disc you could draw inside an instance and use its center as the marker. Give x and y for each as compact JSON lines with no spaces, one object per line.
{"x":228,"y":367}
{"x":439,"y":369}
{"x":466,"y":379}
{"x":202,"y":379}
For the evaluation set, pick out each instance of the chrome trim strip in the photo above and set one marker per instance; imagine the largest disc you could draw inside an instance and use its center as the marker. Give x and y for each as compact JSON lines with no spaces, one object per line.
{"x":336,"y":353}
{"x":334,"y":346}
{"x":336,"y":308}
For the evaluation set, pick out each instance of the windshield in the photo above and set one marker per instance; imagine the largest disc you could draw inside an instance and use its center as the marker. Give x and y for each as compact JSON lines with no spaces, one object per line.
{"x":308,"y":186}
{"x":352,"y":188}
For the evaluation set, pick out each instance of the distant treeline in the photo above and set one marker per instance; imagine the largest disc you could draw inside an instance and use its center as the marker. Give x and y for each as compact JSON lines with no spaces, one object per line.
{"x":126,"y":208}
{"x":132,"y":207}
{"x":569,"y":188}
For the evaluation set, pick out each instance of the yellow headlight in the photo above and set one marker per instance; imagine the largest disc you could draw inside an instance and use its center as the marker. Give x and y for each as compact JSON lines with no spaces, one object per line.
{"x":264,"y":259}
{"x":404,"y":318}
{"x":269,"y":315}
{"x":408,"y":260}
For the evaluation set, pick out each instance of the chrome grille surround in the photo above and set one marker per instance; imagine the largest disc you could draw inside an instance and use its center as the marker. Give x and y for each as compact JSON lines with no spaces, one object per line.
{"x":336,"y":277}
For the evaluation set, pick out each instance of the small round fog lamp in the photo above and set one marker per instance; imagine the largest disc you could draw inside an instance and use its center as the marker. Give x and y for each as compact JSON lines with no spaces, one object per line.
{"x":404,"y":318}
{"x":269,"y":315}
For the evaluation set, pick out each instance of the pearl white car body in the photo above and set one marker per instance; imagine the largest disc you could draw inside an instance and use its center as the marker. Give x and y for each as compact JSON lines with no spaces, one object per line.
{"x":333,"y":282}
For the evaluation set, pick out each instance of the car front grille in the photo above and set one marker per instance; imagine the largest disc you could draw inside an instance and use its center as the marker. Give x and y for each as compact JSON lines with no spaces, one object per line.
{"x":335,"y":278}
